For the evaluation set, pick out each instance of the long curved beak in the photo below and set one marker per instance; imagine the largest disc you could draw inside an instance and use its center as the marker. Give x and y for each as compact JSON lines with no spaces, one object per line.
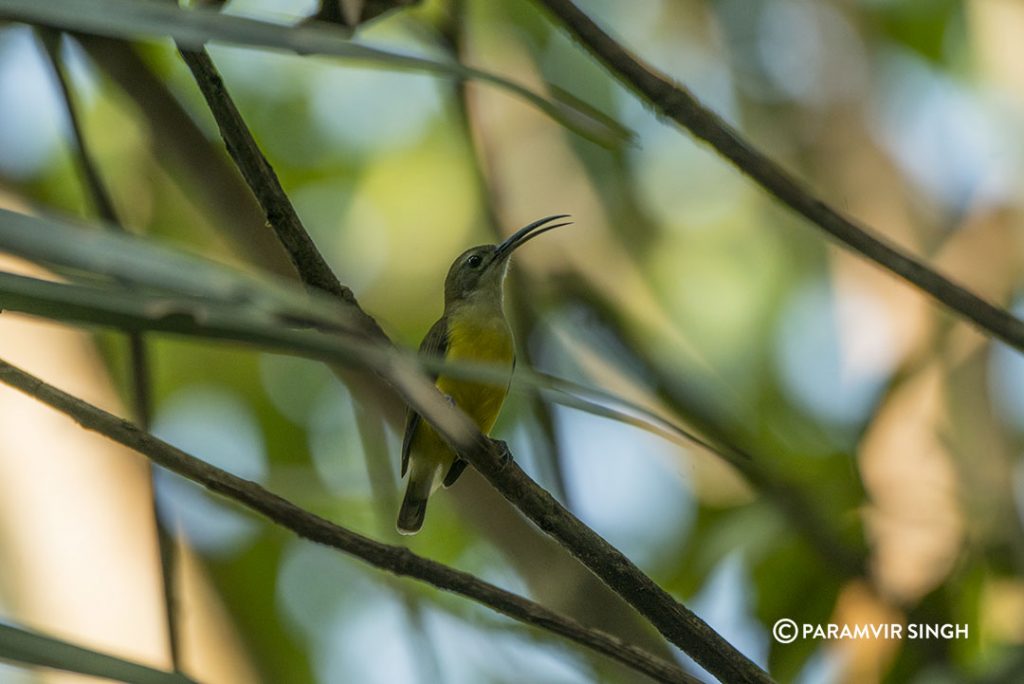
{"x":525,"y":234}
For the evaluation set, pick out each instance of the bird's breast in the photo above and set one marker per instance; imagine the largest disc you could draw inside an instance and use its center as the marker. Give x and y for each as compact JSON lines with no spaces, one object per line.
{"x":479,"y":337}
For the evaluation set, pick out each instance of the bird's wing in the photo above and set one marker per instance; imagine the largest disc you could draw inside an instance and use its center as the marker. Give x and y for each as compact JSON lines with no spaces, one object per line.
{"x":434,"y":344}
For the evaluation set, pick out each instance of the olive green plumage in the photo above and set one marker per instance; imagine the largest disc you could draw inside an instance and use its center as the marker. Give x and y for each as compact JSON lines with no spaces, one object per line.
{"x":472,"y":329}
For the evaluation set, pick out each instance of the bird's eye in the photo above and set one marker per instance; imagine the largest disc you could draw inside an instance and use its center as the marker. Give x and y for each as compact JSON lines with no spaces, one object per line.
{"x":474,"y":261}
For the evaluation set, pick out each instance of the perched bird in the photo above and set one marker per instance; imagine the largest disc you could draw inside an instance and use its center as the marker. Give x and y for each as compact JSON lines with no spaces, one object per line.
{"x":472,"y":328}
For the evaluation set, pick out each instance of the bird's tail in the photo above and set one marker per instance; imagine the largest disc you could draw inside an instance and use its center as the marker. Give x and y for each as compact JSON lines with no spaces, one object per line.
{"x":414,"y":505}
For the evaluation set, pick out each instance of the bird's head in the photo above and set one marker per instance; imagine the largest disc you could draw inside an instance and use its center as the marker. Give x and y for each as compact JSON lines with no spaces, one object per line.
{"x":480,"y":271}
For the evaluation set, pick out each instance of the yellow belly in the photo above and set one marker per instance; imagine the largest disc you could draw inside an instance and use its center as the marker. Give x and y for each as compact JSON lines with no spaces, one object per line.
{"x":487,"y":341}
{"x":476,"y":339}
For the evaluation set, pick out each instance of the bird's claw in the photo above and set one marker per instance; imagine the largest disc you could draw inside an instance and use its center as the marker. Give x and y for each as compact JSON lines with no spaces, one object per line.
{"x":504,"y":453}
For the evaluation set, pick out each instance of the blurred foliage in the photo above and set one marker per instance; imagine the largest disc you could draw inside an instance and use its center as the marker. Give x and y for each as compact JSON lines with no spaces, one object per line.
{"x":885,"y":478}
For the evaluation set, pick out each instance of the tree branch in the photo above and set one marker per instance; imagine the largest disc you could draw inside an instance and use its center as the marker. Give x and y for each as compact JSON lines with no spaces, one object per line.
{"x":676,"y":102}
{"x":311,"y":266}
{"x":676,"y":622}
{"x":395,"y":559}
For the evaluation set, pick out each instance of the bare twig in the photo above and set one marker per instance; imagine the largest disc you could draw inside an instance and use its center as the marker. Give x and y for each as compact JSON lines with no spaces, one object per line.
{"x":104,"y":205}
{"x":394,"y":559}
{"x":138,"y":354}
{"x":262,"y":180}
{"x":676,"y":622}
{"x":675,"y":101}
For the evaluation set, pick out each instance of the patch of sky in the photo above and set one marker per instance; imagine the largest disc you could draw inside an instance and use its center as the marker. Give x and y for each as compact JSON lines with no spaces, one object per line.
{"x":620,"y":480}
{"x":834,"y":350}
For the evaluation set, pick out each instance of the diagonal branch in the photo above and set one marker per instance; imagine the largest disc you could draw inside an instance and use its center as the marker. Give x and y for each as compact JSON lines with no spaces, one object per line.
{"x":394,"y":559}
{"x":280,"y":214}
{"x":676,"y":102}
{"x":676,"y":622}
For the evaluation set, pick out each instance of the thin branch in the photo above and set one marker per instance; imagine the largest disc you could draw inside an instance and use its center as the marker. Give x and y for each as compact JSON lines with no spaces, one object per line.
{"x":138,"y":353}
{"x":104,"y":206}
{"x":678,"y":103}
{"x":395,"y":559}
{"x":676,"y":622}
{"x":280,"y":214}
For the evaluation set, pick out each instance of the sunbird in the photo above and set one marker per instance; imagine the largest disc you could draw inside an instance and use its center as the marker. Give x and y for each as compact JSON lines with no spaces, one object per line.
{"x":472,"y":328}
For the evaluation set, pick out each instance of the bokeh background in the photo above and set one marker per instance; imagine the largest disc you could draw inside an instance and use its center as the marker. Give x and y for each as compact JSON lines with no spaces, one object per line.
{"x":885,"y":436}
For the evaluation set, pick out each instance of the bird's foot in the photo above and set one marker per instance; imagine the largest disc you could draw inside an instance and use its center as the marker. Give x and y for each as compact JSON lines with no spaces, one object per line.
{"x":448,"y":398}
{"x":504,"y":453}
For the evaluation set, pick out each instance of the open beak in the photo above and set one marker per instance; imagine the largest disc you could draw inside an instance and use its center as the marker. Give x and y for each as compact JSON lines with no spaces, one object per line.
{"x":525,"y":234}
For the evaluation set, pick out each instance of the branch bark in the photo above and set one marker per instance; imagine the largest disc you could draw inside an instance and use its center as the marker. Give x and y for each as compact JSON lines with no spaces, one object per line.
{"x":678,"y":103}
{"x":395,"y":559}
{"x":311,"y":266}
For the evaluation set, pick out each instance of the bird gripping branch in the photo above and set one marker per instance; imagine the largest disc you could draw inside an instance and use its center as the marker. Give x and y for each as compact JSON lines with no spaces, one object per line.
{"x":471,"y":329}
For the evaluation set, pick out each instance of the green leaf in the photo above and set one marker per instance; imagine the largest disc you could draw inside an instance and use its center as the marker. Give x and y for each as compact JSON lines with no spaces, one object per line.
{"x":138,"y":262}
{"x":117,"y":308}
{"x":26,"y":647}
{"x":131,"y":19}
